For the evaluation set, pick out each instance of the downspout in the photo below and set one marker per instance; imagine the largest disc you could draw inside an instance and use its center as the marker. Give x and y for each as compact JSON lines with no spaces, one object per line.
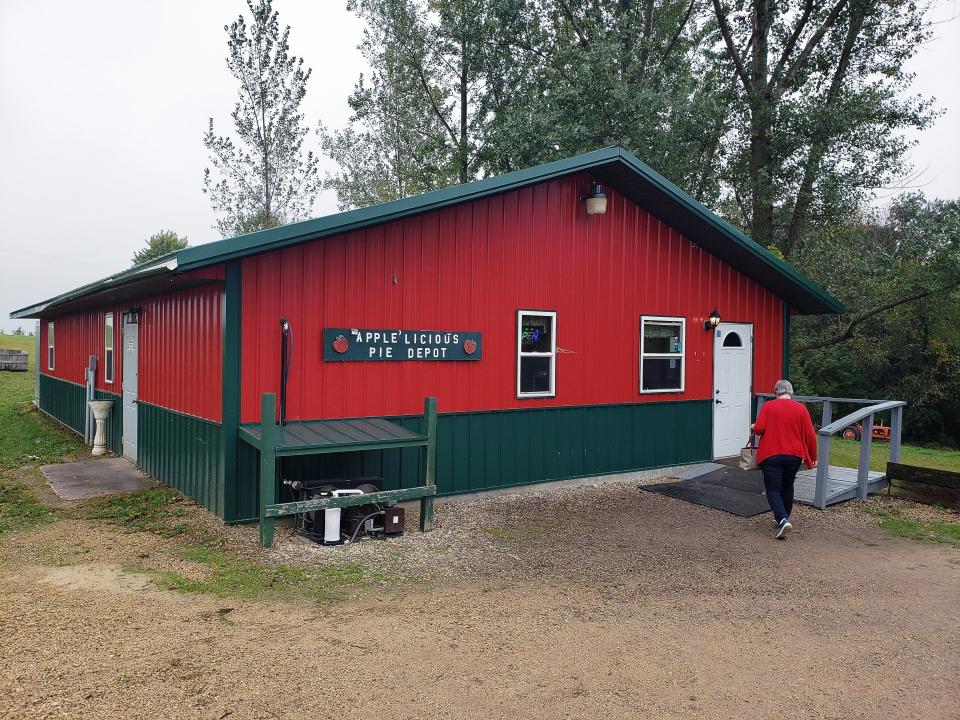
{"x":786,"y":341}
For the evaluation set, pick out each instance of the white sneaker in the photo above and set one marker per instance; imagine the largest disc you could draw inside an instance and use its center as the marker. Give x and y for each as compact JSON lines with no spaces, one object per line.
{"x":783,"y":529}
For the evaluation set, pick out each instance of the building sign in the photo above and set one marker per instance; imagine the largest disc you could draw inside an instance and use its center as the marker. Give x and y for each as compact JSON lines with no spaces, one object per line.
{"x":368,"y":344}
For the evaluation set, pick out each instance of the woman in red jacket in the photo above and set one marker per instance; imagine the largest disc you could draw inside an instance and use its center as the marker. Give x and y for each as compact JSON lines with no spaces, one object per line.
{"x":787,"y":438}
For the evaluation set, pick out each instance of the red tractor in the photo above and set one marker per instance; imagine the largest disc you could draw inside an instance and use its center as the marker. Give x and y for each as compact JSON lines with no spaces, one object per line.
{"x":854,"y":432}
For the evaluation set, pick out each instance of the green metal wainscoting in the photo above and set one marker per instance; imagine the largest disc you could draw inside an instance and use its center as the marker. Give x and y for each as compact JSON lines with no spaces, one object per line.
{"x":114,"y":423}
{"x":504,"y":448}
{"x":66,"y":402}
{"x":182,"y":451}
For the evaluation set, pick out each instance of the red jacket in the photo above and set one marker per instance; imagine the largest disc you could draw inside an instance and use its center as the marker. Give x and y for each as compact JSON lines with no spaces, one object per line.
{"x":785,"y":428}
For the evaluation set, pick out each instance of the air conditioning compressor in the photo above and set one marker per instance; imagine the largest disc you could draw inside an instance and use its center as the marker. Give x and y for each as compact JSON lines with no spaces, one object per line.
{"x":336,"y":526}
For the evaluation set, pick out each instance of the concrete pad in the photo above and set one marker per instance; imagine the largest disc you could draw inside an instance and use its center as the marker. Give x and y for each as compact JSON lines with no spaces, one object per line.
{"x":94,"y":478}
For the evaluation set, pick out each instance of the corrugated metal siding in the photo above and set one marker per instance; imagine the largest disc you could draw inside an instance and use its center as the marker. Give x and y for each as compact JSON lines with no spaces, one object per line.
{"x":471,"y":267}
{"x":76,"y":337}
{"x":181,"y":346}
{"x":184,"y":452}
{"x":485,"y":450}
{"x":64,"y":400}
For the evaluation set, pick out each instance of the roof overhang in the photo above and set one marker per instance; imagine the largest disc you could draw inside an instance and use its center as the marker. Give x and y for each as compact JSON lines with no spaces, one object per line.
{"x":614,"y":166}
{"x":129,"y":284}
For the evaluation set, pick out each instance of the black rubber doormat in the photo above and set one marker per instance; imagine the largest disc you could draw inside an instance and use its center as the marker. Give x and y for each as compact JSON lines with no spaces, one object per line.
{"x":729,"y":489}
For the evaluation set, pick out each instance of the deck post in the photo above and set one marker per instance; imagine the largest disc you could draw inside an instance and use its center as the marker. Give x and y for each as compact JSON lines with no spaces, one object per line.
{"x":268,"y":465}
{"x":429,"y":461}
{"x":896,"y":427}
{"x":863,"y":466}
{"x":827,"y":413}
{"x":823,"y":471}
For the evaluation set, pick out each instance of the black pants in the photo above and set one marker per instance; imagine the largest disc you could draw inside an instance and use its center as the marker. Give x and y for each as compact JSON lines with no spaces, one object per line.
{"x":779,"y":472}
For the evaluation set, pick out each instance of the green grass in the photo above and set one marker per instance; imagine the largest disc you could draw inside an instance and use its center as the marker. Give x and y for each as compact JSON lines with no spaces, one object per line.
{"x":158,"y":510}
{"x":846,"y":453}
{"x":894,"y":522}
{"x":20,"y":508}
{"x":232,"y":577}
{"x":28,"y":436}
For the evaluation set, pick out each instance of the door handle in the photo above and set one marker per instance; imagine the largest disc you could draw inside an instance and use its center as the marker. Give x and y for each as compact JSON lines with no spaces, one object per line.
{"x":717,"y":401}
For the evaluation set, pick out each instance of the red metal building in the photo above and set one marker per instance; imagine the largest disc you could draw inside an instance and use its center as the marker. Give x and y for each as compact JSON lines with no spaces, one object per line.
{"x":559,"y":342}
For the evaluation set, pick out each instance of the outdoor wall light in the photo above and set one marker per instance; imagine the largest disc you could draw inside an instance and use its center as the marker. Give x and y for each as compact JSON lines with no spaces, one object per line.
{"x":132,"y":316}
{"x":596,"y":200}
{"x":712,"y":321}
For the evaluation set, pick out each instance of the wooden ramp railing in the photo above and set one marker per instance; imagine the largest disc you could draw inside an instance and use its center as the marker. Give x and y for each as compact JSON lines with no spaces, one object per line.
{"x":829,"y":427}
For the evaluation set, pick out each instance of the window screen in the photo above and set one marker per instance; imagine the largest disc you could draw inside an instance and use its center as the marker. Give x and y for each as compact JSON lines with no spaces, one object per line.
{"x":108,"y":348}
{"x":662,"y":354}
{"x":536,"y":353}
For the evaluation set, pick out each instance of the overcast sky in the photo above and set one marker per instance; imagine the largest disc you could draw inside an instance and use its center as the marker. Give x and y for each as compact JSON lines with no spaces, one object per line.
{"x":103,"y":105}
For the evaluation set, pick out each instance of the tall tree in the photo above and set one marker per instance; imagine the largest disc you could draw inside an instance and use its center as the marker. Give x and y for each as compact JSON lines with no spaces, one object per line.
{"x":161,"y":243}
{"x":265,"y":178}
{"x":821,"y":103}
{"x":462,"y":89}
{"x":419,"y":120}
{"x":627,"y":72}
{"x":898,"y":272}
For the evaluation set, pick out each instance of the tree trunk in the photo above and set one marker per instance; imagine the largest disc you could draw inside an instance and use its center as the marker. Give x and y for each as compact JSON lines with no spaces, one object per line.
{"x":761,"y":120}
{"x":463,"y":152}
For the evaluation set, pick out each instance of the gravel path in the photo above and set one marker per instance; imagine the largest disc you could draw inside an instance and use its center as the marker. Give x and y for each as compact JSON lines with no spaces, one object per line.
{"x":596,"y":601}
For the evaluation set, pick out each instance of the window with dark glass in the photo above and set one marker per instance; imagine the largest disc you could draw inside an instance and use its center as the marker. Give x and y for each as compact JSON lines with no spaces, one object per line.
{"x":732,"y":340}
{"x":662,"y":354}
{"x":108,"y":348}
{"x":50,"y":352}
{"x":536,"y":353}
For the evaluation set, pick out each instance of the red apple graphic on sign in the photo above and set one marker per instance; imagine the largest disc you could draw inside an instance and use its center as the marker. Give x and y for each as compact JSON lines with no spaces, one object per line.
{"x":469,"y":347}
{"x":340,"y":344}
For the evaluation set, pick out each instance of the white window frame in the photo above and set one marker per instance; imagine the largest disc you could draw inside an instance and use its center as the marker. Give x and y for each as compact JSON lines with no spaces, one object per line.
{"x":681,"y":356}
{"x":108,"y":367}
{"x":51,"y":350}
{"x":552,"y":314}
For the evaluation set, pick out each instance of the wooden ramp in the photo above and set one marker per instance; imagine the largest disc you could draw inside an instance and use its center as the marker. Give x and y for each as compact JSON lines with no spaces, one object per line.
{"x":841,"y":485}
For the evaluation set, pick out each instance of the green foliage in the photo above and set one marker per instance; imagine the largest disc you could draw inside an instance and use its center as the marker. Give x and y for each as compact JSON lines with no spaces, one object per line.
{"x":895,"y":523}
{"x":230,"y":576}
{"x":846,"y":453}
{"x":20,"y":508}
{"x":264,"y":178}
{"x":463,"y":89}
{"x":28,"y":436}
{"x":159,"y":244}
{"x":158,"y":510}
{"x":820,"y":100}
{"x":899,"y":275}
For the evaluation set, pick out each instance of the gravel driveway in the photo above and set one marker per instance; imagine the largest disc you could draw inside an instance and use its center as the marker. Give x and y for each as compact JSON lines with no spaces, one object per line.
{"x":591,"y":602}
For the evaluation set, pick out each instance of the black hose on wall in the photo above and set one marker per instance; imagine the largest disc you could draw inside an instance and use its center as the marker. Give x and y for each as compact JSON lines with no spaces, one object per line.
{"x":286,"y":353}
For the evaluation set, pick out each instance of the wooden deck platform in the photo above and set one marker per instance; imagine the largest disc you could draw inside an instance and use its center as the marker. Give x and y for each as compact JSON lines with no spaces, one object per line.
{"x":841,"y":484}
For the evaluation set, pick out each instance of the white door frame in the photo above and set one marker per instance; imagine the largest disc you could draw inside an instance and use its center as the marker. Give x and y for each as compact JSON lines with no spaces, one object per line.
{"x":720,"y":332}
{"x":130,"y":390}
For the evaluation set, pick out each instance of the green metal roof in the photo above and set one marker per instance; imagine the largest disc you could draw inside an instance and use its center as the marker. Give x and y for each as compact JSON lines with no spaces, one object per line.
{"x":614,"y":166}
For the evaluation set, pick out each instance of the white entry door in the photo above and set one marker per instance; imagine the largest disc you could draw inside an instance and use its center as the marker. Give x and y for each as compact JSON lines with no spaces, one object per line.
{"x":131,"y":345}
{"x":732,"y":385}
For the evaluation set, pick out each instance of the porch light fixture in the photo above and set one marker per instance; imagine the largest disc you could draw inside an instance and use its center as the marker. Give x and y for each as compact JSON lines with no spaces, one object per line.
{"x":596,"y":200}
{"x":132,"y":316}
{"x":712,"y":321}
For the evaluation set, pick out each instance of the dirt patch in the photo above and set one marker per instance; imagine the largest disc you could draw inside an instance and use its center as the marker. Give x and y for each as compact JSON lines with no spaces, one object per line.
{"x":96,"y":578}
{"x":604,"y":601}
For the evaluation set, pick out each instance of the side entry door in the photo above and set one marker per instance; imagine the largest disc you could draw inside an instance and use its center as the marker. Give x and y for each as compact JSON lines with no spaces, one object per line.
{"x":131,"y":347}
{"x":733,"y":385}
